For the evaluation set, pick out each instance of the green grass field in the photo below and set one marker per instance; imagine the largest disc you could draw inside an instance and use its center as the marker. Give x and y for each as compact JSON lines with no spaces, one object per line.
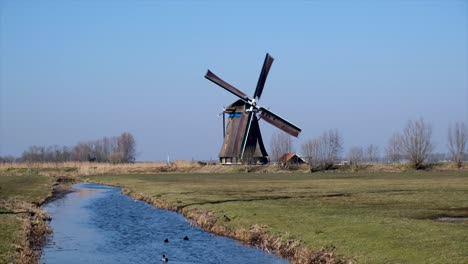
{"x":373,"y":217}
{"x":29,"y":189}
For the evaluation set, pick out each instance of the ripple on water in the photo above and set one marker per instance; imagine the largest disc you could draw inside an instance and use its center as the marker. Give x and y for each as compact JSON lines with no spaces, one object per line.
{"x":103,"y":226}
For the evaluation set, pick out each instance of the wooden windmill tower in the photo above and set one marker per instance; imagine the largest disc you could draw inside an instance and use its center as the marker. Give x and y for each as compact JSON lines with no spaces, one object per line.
{"x":243,"y":141}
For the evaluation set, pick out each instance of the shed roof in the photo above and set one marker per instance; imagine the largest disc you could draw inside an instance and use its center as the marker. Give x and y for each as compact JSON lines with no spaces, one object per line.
{"x":287,"y":157}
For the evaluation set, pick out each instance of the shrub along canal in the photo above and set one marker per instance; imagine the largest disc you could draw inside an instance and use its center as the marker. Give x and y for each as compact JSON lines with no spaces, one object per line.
{"x":97,"y":224}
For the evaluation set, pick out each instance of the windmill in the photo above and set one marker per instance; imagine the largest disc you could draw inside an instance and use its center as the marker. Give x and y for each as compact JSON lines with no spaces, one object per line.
{"x":242,"y":138}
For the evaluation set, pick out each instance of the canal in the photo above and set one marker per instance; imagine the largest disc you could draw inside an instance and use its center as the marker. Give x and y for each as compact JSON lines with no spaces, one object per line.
{"x":97,"y":224}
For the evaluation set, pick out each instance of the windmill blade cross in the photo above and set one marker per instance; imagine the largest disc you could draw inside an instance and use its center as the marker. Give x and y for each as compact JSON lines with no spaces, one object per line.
{"x":263,"y":75}
{"x":212,"y":77}
{"x":242,"y":138}
{"x":279,"y":122}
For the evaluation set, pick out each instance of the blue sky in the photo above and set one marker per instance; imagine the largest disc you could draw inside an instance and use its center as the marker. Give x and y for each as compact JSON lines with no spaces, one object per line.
{"x":74,"y":71}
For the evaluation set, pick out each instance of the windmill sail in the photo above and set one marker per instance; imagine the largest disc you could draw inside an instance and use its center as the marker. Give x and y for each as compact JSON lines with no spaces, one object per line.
{"x":212,"y":77}
{"x":263,"y":75}
{"x":279,"y":122}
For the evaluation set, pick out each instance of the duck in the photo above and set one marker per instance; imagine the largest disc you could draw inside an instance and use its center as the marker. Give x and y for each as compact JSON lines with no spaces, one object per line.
{"x":164,"y":259}
{"x":186,"y":238}
{"x":166,"y":240}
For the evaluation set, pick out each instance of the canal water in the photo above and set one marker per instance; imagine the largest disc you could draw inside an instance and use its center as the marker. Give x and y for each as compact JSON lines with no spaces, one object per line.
{"x":97,"y":224}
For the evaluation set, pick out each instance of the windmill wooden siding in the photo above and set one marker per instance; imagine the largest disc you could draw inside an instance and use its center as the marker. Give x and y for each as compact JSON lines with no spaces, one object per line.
{"x":231,"y":150}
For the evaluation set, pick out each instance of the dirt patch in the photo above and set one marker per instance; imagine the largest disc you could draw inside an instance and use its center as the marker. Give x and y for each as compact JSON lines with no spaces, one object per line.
{"x":452,"y":219}
{"x":337,"y":195}
{"x":463,"y":210}
{"x":452,"y":215}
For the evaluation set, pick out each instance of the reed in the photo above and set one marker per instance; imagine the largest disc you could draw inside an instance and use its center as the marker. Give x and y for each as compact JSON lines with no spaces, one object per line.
{"x":76,"y":169}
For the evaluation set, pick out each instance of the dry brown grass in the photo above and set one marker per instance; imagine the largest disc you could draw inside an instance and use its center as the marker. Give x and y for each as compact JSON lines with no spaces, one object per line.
{"x":75,"y":169}
{"x":260,"y":237}
{"x":400,"y":167}
{"x":91,"y":168}
{"x":33,"y":229}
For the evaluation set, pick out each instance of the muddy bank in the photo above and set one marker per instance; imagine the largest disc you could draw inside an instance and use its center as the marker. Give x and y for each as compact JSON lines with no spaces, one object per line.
{"x":33,"y":230}
{"x":61,"y":188}
{"x":256,"y":235}
{"x":34,"y":223}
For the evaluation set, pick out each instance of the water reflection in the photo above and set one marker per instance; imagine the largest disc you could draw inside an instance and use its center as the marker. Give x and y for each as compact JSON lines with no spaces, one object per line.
{"x":97,"y":224}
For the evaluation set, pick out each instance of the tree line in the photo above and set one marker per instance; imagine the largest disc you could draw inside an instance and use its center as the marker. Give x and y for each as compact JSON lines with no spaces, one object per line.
{"x":119,"y":149}
{"x":413,"y":145}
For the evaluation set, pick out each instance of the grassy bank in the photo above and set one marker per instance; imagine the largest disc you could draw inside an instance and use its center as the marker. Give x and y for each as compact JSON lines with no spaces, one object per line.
{"x":374,"y":217}
{"x":22,"y":224}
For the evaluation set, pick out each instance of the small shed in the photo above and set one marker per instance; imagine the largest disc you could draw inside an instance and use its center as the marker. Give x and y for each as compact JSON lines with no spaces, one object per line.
{"x":291,"y":158}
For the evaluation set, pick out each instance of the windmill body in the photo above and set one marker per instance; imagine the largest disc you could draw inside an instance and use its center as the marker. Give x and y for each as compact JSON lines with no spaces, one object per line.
{"x":242,"y":140}
{"x":236,"y":134}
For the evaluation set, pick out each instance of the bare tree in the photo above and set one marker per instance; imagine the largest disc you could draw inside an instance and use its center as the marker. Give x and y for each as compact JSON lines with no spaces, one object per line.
{"x":324,"y":151}
{"x":34,"y":154}
{"x":356,"y":155}
{"x":109,"y":146}
{"x":46,"y":154}
{"x":311,"y":151}
{"x":99,"y":153}
{"x":372,"y":153}
{"x":333,"y":143}
{"x":417,"y":142}
{"x":66,"y":154}
{"x":393,"y":151}
{"x":82,"y":151}
{"x":8,"y":159}
{"x":281,"y":143}
{"x":457,"y":137}
{"x":126,"y":146}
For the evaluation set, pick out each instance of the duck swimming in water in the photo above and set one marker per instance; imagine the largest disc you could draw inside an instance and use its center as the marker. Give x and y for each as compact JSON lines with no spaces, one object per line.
{"x":164,"y":259}
{"x":186,"y":238}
